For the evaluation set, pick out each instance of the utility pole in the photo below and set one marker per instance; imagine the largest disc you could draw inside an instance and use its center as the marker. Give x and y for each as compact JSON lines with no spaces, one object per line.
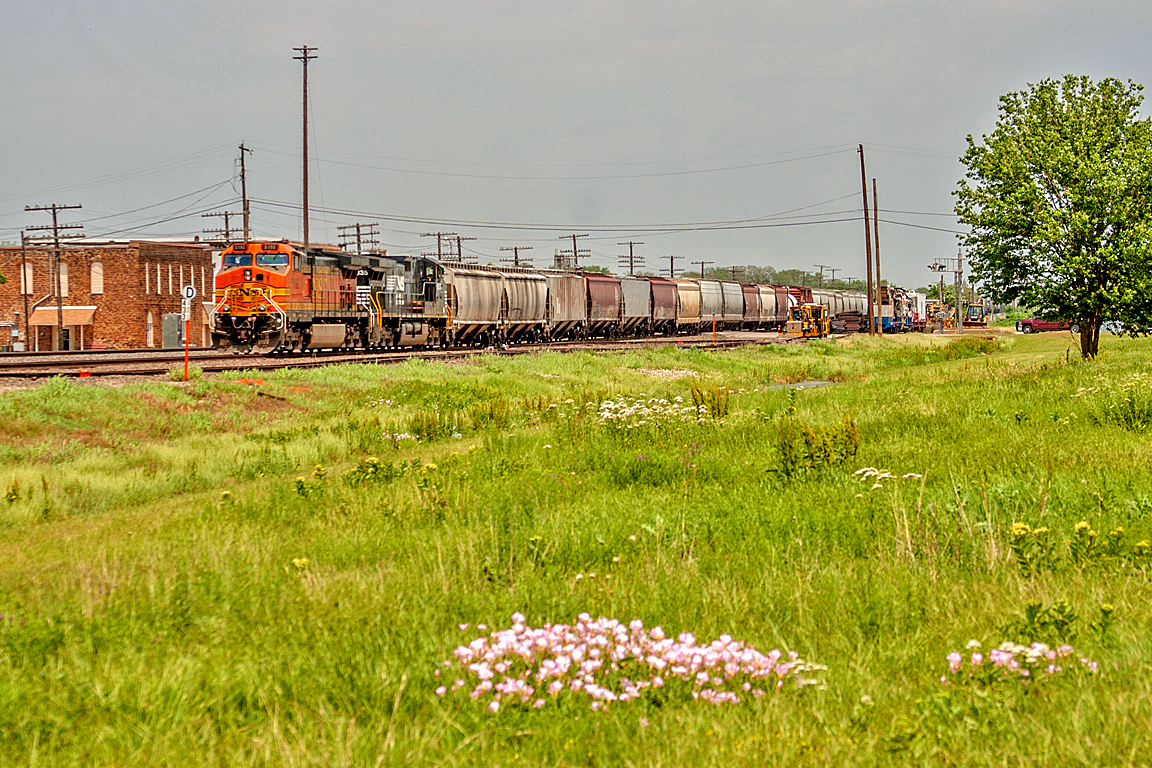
{"x":834,"y":270}
{"x":460,"y":248}
{"x":867,"y":239}
{"x":671,"y":267}
{"x":439,"y":242}
{"x":25,"y":286}
{"x":959,"y":291}
{"x":702,"y":263}
{"x":515,"y":260}
{"x":631,"y":258}
{"x":820,"y":280}
{"x":876,"y":237}
{"x":360,"y":234}
{"x":56,"y":228}
{"x":575,"y":253}
{"x":736,"y":272}
{"x":305,"y":57}
{"x":244,"y":194}
{"x":227,"y":230}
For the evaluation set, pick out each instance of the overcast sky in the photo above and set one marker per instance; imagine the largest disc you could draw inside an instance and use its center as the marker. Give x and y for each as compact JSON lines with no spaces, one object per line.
{"x":622,"y":120}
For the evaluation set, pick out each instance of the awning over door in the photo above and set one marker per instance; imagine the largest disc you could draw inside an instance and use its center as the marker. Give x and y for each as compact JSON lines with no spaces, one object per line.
{"x":72,"y":316}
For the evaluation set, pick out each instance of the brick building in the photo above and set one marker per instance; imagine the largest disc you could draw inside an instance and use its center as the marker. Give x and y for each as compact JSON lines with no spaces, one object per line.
{"x":114,"y":295}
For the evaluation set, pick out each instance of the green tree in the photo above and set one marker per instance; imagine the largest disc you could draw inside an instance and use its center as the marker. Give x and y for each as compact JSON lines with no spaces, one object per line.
{"x":1059,"y":201}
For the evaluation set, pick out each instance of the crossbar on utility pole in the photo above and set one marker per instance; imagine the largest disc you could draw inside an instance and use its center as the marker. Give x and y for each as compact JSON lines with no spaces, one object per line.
{"x":361,"y":234}
{"x":671,"y":267}
{"x":576,"y":252}
{"x":702,"y":263}
{"x":56,"y":229}
{"x":631,"y":258}
{"x":227,"y":230}
{"x":460,"y":247}
{"x":439,"y":242}
{"x":515,"y":260}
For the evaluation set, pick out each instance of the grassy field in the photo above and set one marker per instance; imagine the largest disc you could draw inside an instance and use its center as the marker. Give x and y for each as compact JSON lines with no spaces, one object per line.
{"x":244,"y":572}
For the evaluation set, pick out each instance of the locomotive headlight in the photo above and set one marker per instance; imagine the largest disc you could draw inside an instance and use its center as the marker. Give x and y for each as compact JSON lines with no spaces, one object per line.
{"x":263,"y":307}
{"x":225,"y":308}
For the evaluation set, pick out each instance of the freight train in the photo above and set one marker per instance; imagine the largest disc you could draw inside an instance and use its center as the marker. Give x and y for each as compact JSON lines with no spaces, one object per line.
{"x":278,"y":296}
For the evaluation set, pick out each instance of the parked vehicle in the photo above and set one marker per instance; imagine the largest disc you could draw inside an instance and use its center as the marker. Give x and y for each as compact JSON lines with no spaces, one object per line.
{"x":1037,"y":325}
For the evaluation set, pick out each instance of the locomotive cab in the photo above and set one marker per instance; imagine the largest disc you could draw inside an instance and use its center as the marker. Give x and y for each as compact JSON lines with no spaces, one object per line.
{"x":251,"y":294}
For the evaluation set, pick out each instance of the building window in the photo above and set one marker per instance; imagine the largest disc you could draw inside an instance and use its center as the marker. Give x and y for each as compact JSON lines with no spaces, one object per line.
{"x":26,"y":281}
{"x":159,"y":289}
{"x":147,"y":276}
{"x":97,"y":277}
{"x":151,"y":330}
{"x":170,"y":291}
{"x":63,"y":267}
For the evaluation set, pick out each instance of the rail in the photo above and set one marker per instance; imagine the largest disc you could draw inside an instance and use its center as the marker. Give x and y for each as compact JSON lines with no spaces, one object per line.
{"x":159,"y":362}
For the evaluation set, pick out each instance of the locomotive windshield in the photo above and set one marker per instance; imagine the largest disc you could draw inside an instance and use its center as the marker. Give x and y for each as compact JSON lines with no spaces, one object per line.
{"x":237,"y":260}
{"x":271,"y":259}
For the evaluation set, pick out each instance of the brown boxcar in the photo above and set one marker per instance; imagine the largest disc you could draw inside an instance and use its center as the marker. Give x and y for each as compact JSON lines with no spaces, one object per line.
{"x":665,"y":301}
{"x":751,"y":305}
{"x":604,"y":299}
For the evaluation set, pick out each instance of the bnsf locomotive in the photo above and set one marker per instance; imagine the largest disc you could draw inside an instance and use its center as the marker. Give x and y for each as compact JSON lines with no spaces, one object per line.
{"x":279,"y":296}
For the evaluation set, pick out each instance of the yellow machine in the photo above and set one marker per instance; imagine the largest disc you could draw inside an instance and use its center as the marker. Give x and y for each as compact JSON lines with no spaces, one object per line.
{"x":975,"y":317}
{"x":808,"y":321}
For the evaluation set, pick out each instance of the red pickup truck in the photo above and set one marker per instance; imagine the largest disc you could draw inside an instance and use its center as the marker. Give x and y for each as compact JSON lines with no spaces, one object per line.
{"x":1035,"y":325}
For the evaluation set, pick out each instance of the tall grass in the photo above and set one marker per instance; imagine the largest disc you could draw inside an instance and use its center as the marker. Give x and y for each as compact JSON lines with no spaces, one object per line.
{"x":215,"y":577}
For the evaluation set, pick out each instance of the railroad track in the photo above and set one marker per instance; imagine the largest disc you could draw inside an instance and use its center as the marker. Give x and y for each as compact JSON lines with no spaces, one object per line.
{"x":156,"y":362}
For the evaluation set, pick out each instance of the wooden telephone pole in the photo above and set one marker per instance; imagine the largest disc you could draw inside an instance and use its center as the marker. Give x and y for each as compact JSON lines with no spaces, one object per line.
{"x":244,"y":194}
{"x":630,"y":259}
{"x":56,"y":229}
{"x":515,"y":260}
{"x":867,"y":241}
{"x":305,"y":57}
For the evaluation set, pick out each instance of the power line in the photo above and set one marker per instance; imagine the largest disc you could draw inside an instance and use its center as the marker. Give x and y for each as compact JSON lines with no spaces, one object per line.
{"x":762,"y":223}
{"x":602,"y":177}
{"x":577,"y":165}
